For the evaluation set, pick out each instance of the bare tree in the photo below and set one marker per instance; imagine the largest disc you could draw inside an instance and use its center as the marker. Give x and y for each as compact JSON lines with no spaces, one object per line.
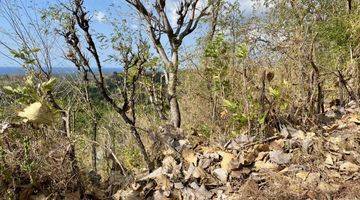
{"x":189,"y":14}
{"x":129,"y":58}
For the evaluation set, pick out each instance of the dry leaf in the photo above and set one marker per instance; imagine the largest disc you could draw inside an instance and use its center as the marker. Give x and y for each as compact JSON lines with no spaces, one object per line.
{"x":302,"y":175}
{"x":157,"y":172}
{"x":328,"y":188}
{"x":349,"y":167}
{"x":277,"y":144}
{"x":334,"y":174}
{"x":36,"y":113}
{"x":261,"y":165}
{"x":199,"y":173}
{"x":221,"y":174}
{"x":227,"y":158}
{"x":298,"y":134}
{"x":329,"y":160}
{"x":261,"y":156}
{"x":313,"y":178}
{"x":279,"y":157}
{"x":127,"y":194}
{"x":164,"y":182}
{"x":190,"y":156}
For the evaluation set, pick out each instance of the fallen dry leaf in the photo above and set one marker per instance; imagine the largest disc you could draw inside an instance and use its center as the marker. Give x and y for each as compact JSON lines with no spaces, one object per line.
{"x":328,"y":188}
{"x":279,"y":157}
{"x":190,"y":156}
{"x":262,"y":165}
{"x":313,"y":178}
{"x":221,"y":174}
{"x":329,"y":160}
{"x":302,"y":175}
{"x":349,"y":167}
{"x":226,"y":162}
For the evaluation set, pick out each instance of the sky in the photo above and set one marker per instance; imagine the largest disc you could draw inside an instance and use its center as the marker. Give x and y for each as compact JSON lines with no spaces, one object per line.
{"x":101,"y":11}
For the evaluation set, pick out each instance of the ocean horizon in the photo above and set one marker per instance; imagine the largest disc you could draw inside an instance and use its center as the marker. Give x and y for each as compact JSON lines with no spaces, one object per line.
{"x":56,"y":70}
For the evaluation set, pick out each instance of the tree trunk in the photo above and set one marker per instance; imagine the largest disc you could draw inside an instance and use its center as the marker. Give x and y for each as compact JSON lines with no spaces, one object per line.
{"x":94,"y":138}
{"x":341,"y":91}
{"x":75,"y":170}
{"x":136,"y":135}
{"x":358,"y":79}
{"x":320,"y":99}
{"x":173,"y":100}
{"x":172,"y":93}
{"x":156,"y":102}
{"x":263,"y":92}
{"x":349,"y":5}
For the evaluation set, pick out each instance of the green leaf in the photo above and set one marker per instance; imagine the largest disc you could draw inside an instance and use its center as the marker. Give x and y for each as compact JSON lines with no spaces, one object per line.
{"x":9,"y":90}
{"x":29,"y":81}
{"x":262,"y":119}
{"x":49,"y":85}
{"x":229,"y":104}
{"x":274,"y":92}
{"x":242,"y":119}
{"x":241,"y":51}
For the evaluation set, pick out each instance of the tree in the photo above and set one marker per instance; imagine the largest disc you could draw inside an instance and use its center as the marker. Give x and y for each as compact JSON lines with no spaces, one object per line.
{"x":189,"y":14}
{"x":132,"y":58}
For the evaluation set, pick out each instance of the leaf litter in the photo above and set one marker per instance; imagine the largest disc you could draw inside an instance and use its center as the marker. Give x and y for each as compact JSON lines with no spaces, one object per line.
{"x":293,"y":164}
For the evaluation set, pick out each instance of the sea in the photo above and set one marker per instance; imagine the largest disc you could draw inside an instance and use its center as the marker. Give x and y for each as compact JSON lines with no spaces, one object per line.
{"x":18,"y":71}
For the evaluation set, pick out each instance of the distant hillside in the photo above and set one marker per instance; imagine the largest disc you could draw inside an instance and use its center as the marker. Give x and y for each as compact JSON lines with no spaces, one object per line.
{"x":65,"y":70}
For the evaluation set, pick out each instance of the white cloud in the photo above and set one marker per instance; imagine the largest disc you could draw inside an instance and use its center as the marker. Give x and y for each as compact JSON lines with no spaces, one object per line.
{"x":173,"y":5}
{"x":100,"y":16}
{"x":171,"y":9}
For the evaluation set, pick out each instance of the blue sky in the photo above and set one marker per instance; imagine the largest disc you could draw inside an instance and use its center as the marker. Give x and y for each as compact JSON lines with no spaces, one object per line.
{"x":102,"y":11}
